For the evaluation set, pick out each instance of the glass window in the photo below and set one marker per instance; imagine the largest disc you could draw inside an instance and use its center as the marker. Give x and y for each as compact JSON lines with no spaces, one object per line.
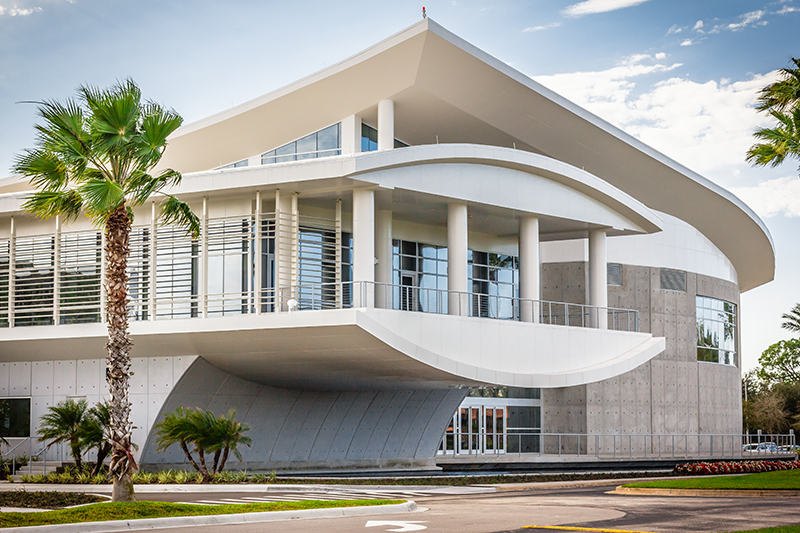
{"x":716,"y":331}
{"x":15,"y":417}
{"x":323,"y":143}
{"x":369,"y":138}
{"x":307,"y":147}
{"x":287,"y":151}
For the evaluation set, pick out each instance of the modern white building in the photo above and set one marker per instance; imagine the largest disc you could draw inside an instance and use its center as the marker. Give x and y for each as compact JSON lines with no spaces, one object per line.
{"x":418,"y":250}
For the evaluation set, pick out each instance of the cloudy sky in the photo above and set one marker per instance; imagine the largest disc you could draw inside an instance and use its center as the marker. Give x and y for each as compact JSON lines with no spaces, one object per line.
{"x":681,"y":75}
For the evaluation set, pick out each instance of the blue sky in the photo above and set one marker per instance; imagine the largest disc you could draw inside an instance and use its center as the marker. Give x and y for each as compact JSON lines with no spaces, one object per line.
{"x":680,"y":75}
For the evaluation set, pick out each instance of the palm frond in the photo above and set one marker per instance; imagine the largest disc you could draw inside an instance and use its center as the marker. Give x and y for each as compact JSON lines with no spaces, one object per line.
{"x":782,"y":94}
{"x":157,"y":124}
{"x":174,"y":211}
{"x":792,"y":319}
{"x":47,"y":204}
{"x":140,"y":186}
{"x":101,"y":197}
{"x":44,"y":168}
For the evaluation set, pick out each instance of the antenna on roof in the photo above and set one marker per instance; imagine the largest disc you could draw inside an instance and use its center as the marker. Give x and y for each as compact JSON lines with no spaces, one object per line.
{"x":424,"y":14}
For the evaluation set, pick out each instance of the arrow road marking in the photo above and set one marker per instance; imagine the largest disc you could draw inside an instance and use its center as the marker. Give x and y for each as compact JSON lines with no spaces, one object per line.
{"x":404,"y":526}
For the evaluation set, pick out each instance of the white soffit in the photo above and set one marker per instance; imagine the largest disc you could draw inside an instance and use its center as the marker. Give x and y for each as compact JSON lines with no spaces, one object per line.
{"x":440,"y":83}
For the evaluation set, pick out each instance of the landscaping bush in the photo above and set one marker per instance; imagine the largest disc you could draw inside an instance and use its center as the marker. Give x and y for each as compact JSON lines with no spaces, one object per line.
{"x":737,"y":467}
{"x":46,"y":500}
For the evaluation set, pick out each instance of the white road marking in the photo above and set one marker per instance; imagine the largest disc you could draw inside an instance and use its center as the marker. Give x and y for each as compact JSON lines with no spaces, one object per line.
{"x":404,"y":526}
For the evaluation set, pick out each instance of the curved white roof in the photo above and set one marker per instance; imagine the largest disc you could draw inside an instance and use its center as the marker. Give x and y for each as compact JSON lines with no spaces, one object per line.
{"x":449,"y":91}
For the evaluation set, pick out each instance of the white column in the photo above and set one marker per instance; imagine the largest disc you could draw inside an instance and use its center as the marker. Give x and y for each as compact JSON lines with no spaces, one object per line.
{"x":12,"y":271}
{"x":383,"y":253}
{"x":204,"y":261}
{"x":529,"y":268}
{"x":258,"y":259}
{"x":153,"y":260}
{"x":598,"y":275}
{"x":363,"y":246}
{"x":386,"y":125}
{"x":56,"y":273}
{"x":457,"y":247}
{"x":351,"y":135}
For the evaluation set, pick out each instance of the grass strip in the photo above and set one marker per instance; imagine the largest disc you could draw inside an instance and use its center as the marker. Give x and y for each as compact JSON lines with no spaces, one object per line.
{"x":779,"y":480}
{"x":100,"y":512}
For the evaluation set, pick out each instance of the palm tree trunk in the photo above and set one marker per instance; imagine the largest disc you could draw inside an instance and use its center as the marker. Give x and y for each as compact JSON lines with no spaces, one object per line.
{"x":224,"y":458}
{"x":201,"y":454}
{"x":76,"y":454}
{"x":216,"y":462}
{"x":189,"y":456}
{"x":118,"y":229}
{"x":102,"y":453}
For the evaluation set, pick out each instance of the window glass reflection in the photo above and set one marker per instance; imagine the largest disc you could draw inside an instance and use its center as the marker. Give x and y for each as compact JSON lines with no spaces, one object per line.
{"x":716,"y":331}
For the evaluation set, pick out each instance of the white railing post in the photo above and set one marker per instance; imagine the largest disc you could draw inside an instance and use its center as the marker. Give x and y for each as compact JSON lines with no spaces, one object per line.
{"x":258,"y":259}
{"x":56,"y":273}
{"x":153,"y":260}
{"x":12,"y":271}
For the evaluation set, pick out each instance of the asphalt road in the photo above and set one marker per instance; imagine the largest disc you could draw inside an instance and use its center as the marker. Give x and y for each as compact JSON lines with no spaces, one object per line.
{"x":511,"y":511}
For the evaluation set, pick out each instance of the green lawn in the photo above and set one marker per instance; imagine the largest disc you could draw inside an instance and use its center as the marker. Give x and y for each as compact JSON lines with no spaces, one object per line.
{"x":130,"y":511}
{"x":780,"y":529}
{"x":780,"y":480}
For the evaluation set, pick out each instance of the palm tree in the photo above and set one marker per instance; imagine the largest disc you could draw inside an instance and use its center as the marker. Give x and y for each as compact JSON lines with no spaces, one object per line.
{"x":792,"y":319}
{"x":94,"y":433}
{"x":784,"y":93}
{"x":781,"y":100}
{"x":205,"y":433}
{"x":227,"y":434}
{"x":64,"y":422}
{"x":94,"y":155}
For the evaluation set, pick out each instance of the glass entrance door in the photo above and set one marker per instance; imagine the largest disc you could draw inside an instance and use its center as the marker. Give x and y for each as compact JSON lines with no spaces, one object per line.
{"x":476,"y":429}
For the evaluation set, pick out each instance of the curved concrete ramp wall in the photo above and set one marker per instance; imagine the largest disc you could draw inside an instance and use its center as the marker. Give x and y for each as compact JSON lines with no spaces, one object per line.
{"x":294,"y":429}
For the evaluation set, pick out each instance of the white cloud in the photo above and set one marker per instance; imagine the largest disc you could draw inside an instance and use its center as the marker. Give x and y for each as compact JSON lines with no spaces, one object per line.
{"x":15,"y":11}
{"x":674,"y":29}
{"x":540,"y":28}
{"x":687,"y":42}
{"x":706,"y":126}
{"x":787,"y":9}
{"x":590,"y":7}
{"x":748,"y":19}
{"x":660,"y":55}
{"x":698,"y":26}
{"x":780,"y":196}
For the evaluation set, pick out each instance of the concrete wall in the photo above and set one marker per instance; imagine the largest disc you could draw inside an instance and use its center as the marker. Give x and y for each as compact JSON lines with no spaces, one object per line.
{"x":50,"y":382}
{"x":294,"y":429}
{"x":671,"y":394}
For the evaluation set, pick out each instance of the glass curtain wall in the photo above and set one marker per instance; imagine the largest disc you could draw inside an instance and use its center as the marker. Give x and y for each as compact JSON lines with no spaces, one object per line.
{"x":716,"y":331}
{"x":419,"y":276}
{"x":317,"y":263}
{"x":229,"y":265}
{"x":494,"y":279}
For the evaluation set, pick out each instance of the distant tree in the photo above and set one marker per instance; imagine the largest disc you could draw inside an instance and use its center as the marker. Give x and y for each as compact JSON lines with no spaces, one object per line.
{"x":769,"y":414}
{"x":792,"y":319}
{"x":781,"y":101}
{"x":64,"y":422}
{"x":780,"y":363}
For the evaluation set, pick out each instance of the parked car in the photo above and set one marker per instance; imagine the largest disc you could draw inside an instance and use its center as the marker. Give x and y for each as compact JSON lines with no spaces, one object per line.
{"x":761,"y":447}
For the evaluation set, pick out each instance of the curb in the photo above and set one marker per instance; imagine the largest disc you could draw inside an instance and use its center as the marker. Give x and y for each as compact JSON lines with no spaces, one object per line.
{"x":246,"y":488}
{"x":209,"y":520}
{"x":707,"y":493}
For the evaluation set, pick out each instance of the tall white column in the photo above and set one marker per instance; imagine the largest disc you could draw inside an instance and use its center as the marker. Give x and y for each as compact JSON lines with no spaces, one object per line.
{"x":386,"y":125}
{"x":363,"y":246}
{"x":383,"y":253}
{"x":351,"y":135}
{"x":529,"y":268}
{"x":598,"y":275}
{"x":457,"y":247}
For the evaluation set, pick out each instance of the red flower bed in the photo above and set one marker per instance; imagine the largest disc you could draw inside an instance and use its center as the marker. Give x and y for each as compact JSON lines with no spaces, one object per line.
{"x":739,"y":467}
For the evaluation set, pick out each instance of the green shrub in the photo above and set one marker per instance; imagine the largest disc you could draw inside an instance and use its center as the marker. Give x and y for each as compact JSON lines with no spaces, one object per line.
{"x":144,"y":478}
{"x":165,"y":476}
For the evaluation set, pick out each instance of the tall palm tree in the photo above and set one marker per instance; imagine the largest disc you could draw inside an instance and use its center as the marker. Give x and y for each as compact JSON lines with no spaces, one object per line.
{"x":93,"y":433}
{"x":94,"y":155}
{"x":792,"y":319}
{"x":64,"y":422}
{"x":781,"y":100}
{"x":784,"y":93}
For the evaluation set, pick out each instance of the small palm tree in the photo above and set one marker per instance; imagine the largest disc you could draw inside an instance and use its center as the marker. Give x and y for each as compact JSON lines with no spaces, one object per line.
{"x":64,"y":422}
{"x":228,"y":434}
{"x":93,"y":156}
{"x":205,"y":433}
{"x":792,"y":319}
{"x":94,"y":433}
